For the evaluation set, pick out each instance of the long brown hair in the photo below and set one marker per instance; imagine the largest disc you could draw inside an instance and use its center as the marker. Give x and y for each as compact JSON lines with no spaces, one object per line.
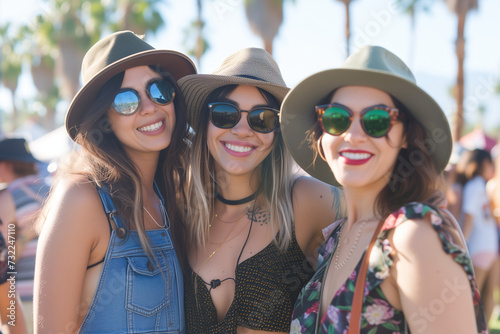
{"x":103,"y":160}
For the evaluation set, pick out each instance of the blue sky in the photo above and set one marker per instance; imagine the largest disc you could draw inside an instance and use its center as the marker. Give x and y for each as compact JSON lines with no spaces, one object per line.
{"x":311,"y":39}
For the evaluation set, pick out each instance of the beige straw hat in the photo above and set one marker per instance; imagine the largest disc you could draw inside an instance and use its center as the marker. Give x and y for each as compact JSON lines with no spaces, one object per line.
{"x":250,"y":66}
{"x":114,"y":54}
{"x":370,"y":66}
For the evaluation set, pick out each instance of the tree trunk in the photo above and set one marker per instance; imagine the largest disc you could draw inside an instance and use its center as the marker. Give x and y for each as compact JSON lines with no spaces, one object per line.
{"x":460,"y":52}
{"x":68,"y":66}
{"x":347,"y":27}
{"x":11,"y":85}
{"x":265,"y":18}
{"x":199,"y":46}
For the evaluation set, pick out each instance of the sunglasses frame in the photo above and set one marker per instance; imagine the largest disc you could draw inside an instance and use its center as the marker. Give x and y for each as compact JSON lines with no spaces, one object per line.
{"x":276,"y":112}
{"x":393,"y":113}
{"x":148,"y":93}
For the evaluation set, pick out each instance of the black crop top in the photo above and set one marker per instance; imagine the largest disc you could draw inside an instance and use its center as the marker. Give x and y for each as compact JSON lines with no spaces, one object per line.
{"x":267,"y":285}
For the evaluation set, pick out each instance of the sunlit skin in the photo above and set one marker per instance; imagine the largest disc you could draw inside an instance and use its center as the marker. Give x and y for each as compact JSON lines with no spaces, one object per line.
{"x":225,"y":145}
{"x":421,"y":271}
{"x":374,"y":173}
{"x":129,"y":129}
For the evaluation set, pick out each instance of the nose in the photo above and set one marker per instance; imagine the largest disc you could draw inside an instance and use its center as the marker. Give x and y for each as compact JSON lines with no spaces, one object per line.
{"x":355,"y":134}
{"x":242,"y":129}
{"x":147,"y":106}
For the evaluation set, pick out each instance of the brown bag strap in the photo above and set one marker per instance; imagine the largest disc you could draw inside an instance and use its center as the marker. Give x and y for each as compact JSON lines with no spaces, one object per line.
{"x":359,"y":289}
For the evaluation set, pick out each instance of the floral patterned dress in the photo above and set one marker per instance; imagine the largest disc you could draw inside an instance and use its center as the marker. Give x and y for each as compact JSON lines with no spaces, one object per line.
{"x":378,"y":316}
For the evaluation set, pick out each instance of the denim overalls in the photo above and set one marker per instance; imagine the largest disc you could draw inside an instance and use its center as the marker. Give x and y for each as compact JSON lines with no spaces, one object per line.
{"x":135,"y":295}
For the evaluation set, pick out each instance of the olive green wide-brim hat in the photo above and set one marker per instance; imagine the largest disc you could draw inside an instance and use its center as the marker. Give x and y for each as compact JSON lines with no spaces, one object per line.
{"x":371,"y":66}
{"x":114,"y":54}
{"x":249,"y":67}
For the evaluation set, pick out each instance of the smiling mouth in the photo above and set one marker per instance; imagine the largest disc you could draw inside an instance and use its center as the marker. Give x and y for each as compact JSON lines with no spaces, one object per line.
{"x":152,"y":127}
{"x":355,"y":156}
{"x":237,"y":148}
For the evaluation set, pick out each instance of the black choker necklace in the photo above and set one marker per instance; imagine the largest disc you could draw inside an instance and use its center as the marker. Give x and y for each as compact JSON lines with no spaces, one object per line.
{"x":237,"y":202}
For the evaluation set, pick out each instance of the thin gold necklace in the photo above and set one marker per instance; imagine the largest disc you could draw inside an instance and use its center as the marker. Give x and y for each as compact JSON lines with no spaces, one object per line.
{"x":338,"y":264}
{"x":239,"y":217}
{"x":220,"y":245}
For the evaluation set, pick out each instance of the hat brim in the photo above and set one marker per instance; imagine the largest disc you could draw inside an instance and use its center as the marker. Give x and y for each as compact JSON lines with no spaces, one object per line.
{"x":197,"y":87}
{"x":176,"y":63}
{"x":298,"y":114}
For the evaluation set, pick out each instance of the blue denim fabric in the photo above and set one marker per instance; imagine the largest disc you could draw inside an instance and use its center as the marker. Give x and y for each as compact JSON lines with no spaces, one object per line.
{"x":135,"y":295}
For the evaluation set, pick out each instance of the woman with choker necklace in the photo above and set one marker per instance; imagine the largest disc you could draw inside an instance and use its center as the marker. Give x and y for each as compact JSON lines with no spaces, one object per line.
{"x":398,"y":263}
{"x":254,"y":227}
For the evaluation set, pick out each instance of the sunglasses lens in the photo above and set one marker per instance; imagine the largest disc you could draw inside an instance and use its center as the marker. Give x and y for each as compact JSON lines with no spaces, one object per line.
{"x":336,"y":120}
{"x":126,"y":102}
{"x":376,"y":122}
{"x":225,"y":116}
{"x":263,"y":120}
{"x":161,"y":91}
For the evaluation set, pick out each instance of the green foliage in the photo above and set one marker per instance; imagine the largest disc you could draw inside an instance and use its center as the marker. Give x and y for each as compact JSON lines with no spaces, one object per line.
{"x":77,"y":24}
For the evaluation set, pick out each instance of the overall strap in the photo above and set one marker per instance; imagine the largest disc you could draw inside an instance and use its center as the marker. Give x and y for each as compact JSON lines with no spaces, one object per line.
{"x":109,"y":207}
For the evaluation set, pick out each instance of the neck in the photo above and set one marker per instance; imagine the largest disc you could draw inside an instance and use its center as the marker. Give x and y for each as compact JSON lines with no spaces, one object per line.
{"x":360,"y":205}
{"x":146,"y":166}
{"x":234,"y":188}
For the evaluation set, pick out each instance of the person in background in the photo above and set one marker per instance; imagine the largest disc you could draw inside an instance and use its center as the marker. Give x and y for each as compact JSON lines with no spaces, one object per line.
{"x":253,"y":226}
{"x":20,"y":203}
{"x":106,"y":260}
{"x":478,"y":224}
{"x":386,"y":142}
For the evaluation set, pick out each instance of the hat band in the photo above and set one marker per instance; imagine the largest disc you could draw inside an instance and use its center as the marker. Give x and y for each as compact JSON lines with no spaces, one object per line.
{"x":250,"y":77}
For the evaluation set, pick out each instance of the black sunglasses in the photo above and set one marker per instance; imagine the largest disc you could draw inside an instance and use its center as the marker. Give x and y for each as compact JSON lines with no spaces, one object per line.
{"x":226,"y":115}
{"x":128,"y":100}
{"x":376,"y":121}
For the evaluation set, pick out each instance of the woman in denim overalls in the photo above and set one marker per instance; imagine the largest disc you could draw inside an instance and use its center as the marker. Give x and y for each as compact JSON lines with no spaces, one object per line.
{"x":106,"y":261}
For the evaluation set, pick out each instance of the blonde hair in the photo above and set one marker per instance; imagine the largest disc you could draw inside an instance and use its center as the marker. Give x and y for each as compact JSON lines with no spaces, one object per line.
{"x":275,"y":179}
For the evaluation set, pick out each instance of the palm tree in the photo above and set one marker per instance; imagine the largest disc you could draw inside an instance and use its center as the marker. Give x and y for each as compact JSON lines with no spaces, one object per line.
{"x":411,"y":7}
{"x":10,"y":66}
{"x":194,"y":39}
{"x":461,"y":8}
{"x":347,"y":29}
{"x":66,"y":32}
{"x":265,"y":18}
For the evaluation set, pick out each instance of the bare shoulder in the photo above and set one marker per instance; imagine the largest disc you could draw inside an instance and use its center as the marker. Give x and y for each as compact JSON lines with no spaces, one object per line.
{"x":415,"y":236}
{"x":74,"y":202}
{"x":315,"y":192}
{"x":417,"y":243}
{"x":315,"y":206}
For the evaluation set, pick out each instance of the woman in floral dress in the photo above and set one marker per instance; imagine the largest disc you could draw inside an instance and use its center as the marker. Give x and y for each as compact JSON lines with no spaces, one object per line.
{"x":385,"y":141}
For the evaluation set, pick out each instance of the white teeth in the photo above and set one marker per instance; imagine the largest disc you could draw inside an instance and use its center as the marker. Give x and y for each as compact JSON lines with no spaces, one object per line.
{"x":152,"y":127}
{"x":355,"y":156}
{"x":238,"y":148}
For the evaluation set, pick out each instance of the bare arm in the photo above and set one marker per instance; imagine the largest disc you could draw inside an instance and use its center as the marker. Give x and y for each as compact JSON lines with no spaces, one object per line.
{"x":64,"y":249}
{"x":434,"y":291}
{"x":316,"y":205}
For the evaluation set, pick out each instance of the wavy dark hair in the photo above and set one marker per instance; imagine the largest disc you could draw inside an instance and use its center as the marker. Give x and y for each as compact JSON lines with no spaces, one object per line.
{"x":415,"y":176}
{"x":104,"y":162}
